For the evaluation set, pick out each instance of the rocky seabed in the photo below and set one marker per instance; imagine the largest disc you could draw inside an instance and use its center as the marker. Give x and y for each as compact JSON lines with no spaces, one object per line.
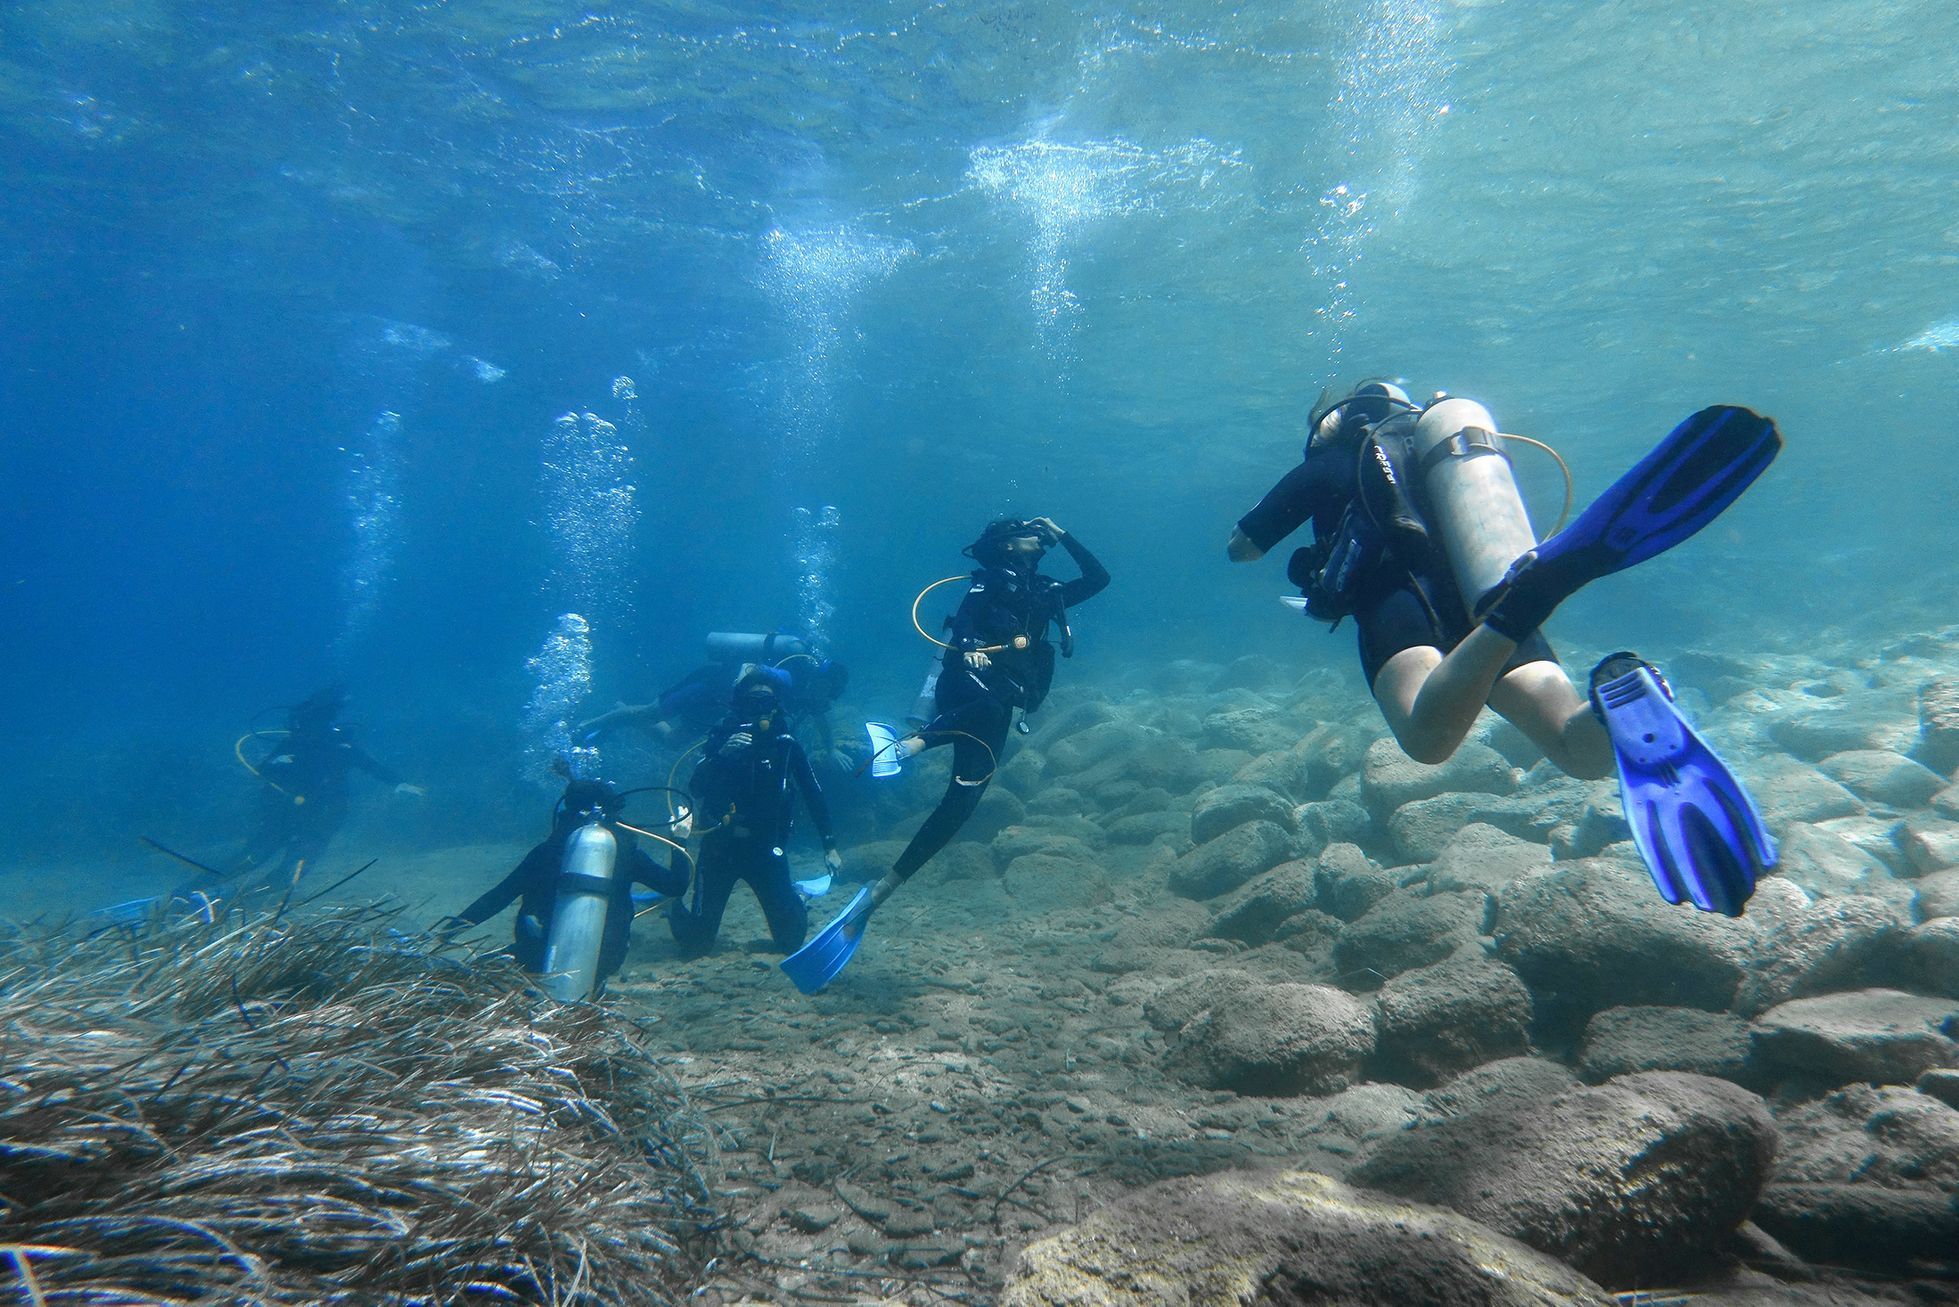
{"x":1222,"y":999}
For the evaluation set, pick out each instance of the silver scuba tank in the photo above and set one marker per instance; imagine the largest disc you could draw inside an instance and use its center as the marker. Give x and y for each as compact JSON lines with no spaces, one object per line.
{"x":767,"y":648}
{"x":1464,"y":471}
{"x":571,"y":955}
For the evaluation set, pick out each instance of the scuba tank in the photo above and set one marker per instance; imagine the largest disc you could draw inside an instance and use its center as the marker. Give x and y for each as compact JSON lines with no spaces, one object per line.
{"x":754,"y":647}
{"x":1463,"y":470}
{"x":570,"y":972}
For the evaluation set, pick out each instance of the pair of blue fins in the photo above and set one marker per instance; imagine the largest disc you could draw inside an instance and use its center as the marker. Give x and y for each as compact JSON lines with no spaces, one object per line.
{"x":1694,"y":824}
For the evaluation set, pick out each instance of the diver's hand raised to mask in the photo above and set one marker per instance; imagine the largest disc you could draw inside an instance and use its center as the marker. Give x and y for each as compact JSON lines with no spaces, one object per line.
{"x":977,"y":661}
{"x":1052,"y":527}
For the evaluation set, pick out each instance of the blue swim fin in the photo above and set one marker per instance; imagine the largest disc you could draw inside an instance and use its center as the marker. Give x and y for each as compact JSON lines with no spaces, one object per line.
{"x":887,"y":751}
{"x":819,"y":962}
{"x":1694,"y":824}
{"x":1689,"y":479}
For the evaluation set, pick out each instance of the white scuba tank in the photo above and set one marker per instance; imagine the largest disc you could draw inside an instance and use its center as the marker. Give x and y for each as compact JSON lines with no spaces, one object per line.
{"x":571,"y":955}
{"x":1464,"y":471}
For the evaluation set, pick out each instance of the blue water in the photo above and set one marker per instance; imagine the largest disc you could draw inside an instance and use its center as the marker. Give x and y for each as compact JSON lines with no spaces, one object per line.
{"x":898,"y":271}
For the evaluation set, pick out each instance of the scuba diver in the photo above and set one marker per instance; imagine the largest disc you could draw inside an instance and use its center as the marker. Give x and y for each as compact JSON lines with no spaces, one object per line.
{"x":695,"y":704}
{"x":303,"y":796}
{"x":1448,"y":625}
{"x":575,"y":887}
{"x":999,"y":659}
{"x":742,"y":791}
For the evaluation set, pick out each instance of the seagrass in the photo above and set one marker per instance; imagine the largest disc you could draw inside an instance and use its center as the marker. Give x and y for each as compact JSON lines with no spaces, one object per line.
{"x":322,"y":1108}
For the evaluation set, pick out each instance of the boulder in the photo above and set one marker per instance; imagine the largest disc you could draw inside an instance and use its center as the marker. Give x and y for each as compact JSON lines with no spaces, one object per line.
{"x":1828,"y":866}
{"x":1879,"y":1036}
{"x":998,"y":809}
{"x":1053,"y":801}
{"x":1517,"y":1081}
{"x":1311,"y":767}
{"x":1293,"y":1237}
{"x":1593,"y":934}
{"x":1787,"y":791}
{"x":1179,"y":1003}
{"x":1938,"y":894}
{"x":1937,"y":745}
{"x":1626,"y":1040}
{"x":1347,"y":884}
{"x":1880,"y":776}
{"x":1230,"y":860}
{"x":1017,"y":841}
{"x":1148,"y":827}
{"x":1403,"y":931}
{"x":1275,"y":1040}
{"x":1045,"y":882}
{"x":1815,"y":729}
{"x":1080,"y":717}
{"x":1333,"y":821}
{"x":1600,"y":823}
{"x":1483,"y":859}
{"x":1257,"y":912}
{"x":1438,"y":1021}
{"x":1256,"y":730}
{"x":1640,"y":1178}
{"x":1826,"y":945}
{"x":1941,"y":1083}
{"x":1021,"y":774}
{"x":1230,"y":806}
{"x":1391,"y":779}
{"x":1929,"y":844}
{"x":1928,"y":957}
{"x":1336,"y":1132}
{"x":1867,"y":1177}
{"x":1251,"y":672}
{"x":1078,"y":751}
{"x":1422,"y":829}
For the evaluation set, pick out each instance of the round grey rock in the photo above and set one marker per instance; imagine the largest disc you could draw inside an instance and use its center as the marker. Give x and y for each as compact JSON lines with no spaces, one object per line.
{"x":1642,"y":1177}
{"x":1230,"y":860}
{"x":1879,"y":1036}
{"x":1294,"y":1237}
{"x":1439,"y":1021}
{"x":1276,"y":1040}
{"x":1231,"y":806}
{"x":1626,"y":1040}
{"x":1403,"y":931}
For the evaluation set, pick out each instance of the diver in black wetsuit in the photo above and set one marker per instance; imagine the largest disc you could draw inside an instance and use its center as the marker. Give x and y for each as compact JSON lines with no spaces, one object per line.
{"x":535,"y":881}
{"x":744,"y":806}
{"x":303,"y":798}
{"x":1431,"y":667}
{"x":998,"y":659}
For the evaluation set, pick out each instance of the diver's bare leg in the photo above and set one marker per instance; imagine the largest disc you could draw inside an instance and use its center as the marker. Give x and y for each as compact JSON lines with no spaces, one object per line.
{"x":1431,"y":700}
{"x":1540,"y":700}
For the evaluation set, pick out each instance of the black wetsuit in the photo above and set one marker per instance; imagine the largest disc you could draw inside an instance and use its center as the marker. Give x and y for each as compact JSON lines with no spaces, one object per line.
{"x":745,"y":809}
{"x":976,"y":705}
{"x":300,"y":806}
{"x":535,"y":882}
{"x":1399,"y":605}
